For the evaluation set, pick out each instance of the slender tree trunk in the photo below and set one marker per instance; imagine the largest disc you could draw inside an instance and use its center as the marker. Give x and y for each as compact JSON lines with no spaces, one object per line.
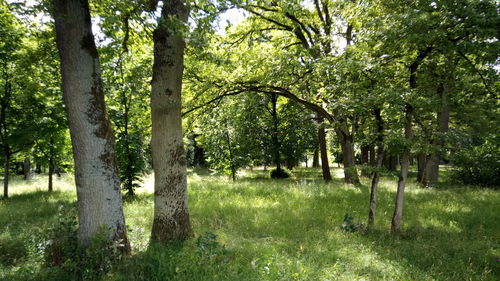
{"x":171,"y":217}
{"x":376,"y":174}
{"x":51,"y":173}
{"x":373,"y":156}
{"x":405,"y":163}
{"x":230,"y":150}
{"x":96,"y":173}
{"x":315,"y":163}
{"x":51,"y":165}
{"x":26,"y":168}
{"x":325,"y":166}
{"x":398,"y":210}
{"x":365,"y":155}
{"x":6,"y":173}
{"x":275,"y":140}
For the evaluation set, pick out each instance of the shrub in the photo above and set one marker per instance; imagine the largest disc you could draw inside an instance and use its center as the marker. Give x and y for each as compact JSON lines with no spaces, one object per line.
{"x":208,"y":248}
{"x":479,"y":165}
{"x":280,"y":173}
{"x":350,"y":225}
{"x":86,"y":263}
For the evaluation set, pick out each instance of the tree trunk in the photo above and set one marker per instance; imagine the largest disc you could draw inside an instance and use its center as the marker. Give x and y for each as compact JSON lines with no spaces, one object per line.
{"x":315,"y":163}
{"x":421,"y":164}
{"x":230,"y":150}
{"x":348,"y":159}
{"x":405,"y":163}
{"x":275,"y":140}
{"x":398,"y":210}
{"x":6,"y":173}
{"x":26,"y":168}
{"x":365,"y":155}
{"x":51,"y":173}
{"x":325,"y":166}
{"x":373,"y":156}
{"x":376,"y":174}
{"x":171,"y":217}
{"x":443,"y":118}
{"x":96,"y":173}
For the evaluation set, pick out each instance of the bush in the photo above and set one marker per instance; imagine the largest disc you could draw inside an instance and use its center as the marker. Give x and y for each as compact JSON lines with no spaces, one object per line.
{"x":350,"y":225}
{"x":86,"y":263}
{"x":280,"y":173}
{"x":478,"y":165}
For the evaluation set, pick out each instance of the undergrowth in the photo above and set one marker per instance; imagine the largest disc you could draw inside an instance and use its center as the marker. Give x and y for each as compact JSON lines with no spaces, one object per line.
{"x":262,"y":229}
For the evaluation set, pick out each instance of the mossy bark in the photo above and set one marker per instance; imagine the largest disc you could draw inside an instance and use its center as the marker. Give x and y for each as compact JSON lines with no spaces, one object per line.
{"x":171,"y":217}
{"x":96,"y":174}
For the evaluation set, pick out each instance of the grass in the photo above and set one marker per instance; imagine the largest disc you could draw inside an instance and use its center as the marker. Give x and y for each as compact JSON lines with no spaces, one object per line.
{"x":278,"y":230}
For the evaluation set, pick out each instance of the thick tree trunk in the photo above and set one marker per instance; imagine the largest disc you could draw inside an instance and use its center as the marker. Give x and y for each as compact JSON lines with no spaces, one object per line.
{"x":26,"y":168}
{"x":325,"y":166}
{"x":6,"y":173}
{"x":376,"y":174}
{"x":96,"y":173}
{"x":398,"y":210}
{"x":315,"y":163}
{"x":171,"y":217}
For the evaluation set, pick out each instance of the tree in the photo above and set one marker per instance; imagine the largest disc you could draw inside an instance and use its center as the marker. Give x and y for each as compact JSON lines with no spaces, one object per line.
{"x":16,"y":125}
{"x":171,"y":216}
{"x":96,"y":173}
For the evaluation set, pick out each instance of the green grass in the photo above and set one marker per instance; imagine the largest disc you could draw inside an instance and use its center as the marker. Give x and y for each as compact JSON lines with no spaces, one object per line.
{"x":279,"y":230}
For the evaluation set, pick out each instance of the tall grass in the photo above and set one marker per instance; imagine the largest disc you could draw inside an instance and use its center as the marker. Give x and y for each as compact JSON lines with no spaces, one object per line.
{"x":281,"y":230}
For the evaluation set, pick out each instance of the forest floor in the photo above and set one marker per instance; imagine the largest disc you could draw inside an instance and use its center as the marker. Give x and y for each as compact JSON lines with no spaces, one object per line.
{"x":277,"y":230}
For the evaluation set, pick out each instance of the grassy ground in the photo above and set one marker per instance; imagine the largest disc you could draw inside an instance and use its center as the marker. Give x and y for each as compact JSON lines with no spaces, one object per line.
{"x":279,"y":230}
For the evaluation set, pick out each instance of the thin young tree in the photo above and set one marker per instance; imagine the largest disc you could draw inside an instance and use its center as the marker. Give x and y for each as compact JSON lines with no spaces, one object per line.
{"x":96,"y":173}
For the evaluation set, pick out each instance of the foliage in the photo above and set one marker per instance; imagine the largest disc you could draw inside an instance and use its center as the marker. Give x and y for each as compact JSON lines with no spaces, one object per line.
{"x":478,"y":165}
{"x":209,"y":248}
{"x":350,"y":225}
{"x":63,"y":251}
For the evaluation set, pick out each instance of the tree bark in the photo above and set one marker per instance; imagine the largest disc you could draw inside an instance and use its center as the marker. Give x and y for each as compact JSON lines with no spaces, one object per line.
{"x":51,"y":173}
{"x":274,"y":137}
{"x":443,"y":118}
{"x":398,"y":210}
{"x":365,"y":155}
{"x":373,"y":156}
{"x":6,"y":172}
{"x":376,"y":174}
{"x":171,"y":217}
{"x":96,"y":173}
{"x":421,"y":164}
{"x":315,"y":163}
{"x":26,"y":168}
{"x":348,"y":160}
{"x":325,"y":166}
{"x":405,"y":162}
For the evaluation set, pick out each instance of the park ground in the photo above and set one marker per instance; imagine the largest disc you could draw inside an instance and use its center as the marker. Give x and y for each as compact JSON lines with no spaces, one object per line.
{"x":262,"y":229}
